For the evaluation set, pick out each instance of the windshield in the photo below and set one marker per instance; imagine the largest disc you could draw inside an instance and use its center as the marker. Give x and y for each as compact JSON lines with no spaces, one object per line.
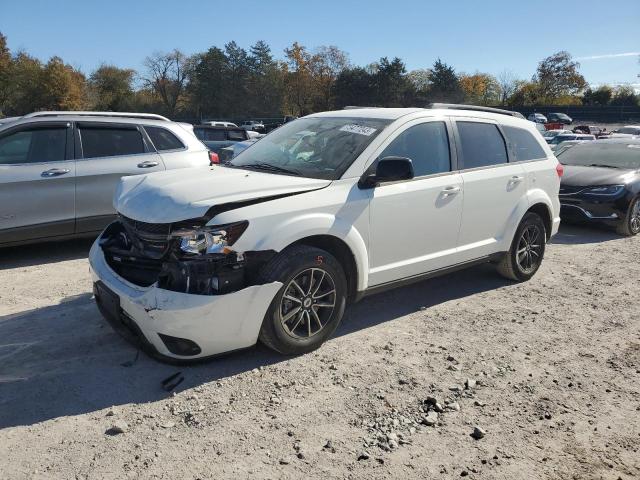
{"x":616,"y":155}
{"x":319,"y":147}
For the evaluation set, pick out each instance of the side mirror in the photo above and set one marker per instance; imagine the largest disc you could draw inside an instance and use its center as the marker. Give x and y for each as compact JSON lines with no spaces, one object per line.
{"x":387,"y":169}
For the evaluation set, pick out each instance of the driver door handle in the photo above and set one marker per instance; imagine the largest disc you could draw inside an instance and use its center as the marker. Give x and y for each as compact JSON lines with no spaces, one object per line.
{"x":453,"y":190}
{"x":516,"y":179}
{"x":148,"y":164}
{"x":55,"y":172}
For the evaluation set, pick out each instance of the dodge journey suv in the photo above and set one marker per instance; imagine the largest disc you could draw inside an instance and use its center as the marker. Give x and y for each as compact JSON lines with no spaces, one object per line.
{"x":325,"y":210}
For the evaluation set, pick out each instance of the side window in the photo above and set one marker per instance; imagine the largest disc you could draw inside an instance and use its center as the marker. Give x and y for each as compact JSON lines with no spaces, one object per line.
{"x":34,"y":146}
{"x":99,"y":141}
{"x":523,"y":145}
{"x":426,"y":144}
{"x":164,"y":140}
{"x":482,"y":144}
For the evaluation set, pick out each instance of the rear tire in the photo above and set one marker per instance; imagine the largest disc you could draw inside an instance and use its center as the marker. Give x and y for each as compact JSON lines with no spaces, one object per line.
{"x":630,"y":225}
{"x":309,"y":306}
{"x":525,"y":255}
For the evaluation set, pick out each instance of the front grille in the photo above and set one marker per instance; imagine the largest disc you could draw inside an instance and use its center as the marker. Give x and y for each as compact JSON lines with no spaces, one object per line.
{"x":570,"y":189}
{"x":144,"y":228}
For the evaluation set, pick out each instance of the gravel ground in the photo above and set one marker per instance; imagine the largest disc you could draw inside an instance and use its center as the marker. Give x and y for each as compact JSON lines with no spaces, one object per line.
{"x":460,"y":376}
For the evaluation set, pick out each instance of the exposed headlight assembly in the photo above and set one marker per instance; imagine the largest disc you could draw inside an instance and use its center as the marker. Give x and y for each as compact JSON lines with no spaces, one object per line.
{"x":213,"y":239}
{"x":605,"y":190}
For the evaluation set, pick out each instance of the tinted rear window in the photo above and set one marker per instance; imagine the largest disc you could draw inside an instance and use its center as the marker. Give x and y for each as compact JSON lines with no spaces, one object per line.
{"x":163,"y":139}
{"x":110,"y":141}
{"x":523,"y":144}
{"x":482,"y":145}
{"x":34,"y":146}
{"x":210,"y":134}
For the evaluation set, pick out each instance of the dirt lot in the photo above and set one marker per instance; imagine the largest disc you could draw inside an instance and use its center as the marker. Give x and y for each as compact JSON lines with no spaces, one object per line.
{"x":553,"y":369}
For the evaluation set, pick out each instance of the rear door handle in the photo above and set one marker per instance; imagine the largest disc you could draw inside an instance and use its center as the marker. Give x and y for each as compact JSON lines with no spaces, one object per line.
{"x":516,"y":179}
{"x":148,"y":164}
{"x":450,"y":191}
{"x":55,"y":172}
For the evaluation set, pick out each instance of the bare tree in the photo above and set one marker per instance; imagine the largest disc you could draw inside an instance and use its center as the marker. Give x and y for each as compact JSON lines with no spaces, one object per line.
{"x":507,"y":83}
{"x":167,"y":75}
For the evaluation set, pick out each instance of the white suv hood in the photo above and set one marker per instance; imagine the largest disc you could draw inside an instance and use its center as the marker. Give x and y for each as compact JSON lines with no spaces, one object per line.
{"x":181,"y":194}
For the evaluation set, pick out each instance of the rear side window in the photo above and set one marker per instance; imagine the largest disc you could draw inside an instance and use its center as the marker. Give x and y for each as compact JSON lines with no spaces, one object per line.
{"x":426,"y":144}
{"x":163,"y":139}
{"x":523,"y":145}
{"x":110,"y":141}
{"x":239,"y":134}
{"x":34,"y":146}
{"x":482,"y":145}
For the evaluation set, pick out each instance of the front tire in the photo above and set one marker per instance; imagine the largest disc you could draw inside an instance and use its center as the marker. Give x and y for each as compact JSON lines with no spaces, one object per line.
{"x":630,"y":225}
{"x":309,"y":306}
{"x":524,"y":257}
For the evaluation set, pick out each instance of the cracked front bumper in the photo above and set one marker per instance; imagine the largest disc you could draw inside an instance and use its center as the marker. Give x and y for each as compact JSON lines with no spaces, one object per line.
{"x":215,"y":323}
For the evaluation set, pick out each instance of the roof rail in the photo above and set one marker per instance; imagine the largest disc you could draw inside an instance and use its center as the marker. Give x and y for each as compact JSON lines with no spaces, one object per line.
{"x":355,"y":107}
{"x":148,"y":116}
{"x":478,"y":108}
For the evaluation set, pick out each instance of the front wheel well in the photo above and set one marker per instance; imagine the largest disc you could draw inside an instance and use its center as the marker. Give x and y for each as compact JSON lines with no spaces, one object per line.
{"x":339,"y":249}
{"x":543,"y":211}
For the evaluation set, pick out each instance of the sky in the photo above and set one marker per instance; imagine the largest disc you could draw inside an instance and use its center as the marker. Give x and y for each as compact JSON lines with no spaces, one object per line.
{"x":488,"y":36}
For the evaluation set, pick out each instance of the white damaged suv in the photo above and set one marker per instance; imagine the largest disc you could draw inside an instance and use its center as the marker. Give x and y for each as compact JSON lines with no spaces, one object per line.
{"x":321,"y":212}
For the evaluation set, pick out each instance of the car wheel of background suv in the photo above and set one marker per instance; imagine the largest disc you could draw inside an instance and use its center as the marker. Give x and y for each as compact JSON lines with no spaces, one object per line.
{"x":524,"y":257}
{"x":309,"y":306}
{"x":631,"y":223}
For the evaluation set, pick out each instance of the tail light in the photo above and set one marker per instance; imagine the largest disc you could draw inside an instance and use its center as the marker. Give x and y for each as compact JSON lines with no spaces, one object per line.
{"x":213,"y":158}
{"x":559,"y":170}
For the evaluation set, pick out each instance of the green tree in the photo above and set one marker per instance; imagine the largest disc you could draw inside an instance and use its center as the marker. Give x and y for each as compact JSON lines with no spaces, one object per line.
{"x":625,"y":96}
{"x":111,"y":88}
{"x":5,"y":66}
{"x":355,"y":87}
{"x":206,"y":87}
{"x":266,"y":86}
{"x":392,"y":86}
{"x":558,"y":76}
{"x":445,"y":84}
{"x":600,"y":96}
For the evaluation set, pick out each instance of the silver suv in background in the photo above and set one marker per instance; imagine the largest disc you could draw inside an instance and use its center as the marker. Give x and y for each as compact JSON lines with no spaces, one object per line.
{"x":59,"y":170}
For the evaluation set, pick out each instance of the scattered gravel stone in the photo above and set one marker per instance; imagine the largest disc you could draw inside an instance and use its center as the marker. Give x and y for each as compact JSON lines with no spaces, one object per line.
{"x":430,"y":419}
{"x":117,"y":428}
{"x":478,"y":433}
{"x":470,"y":384}
{"x":364,"y":455}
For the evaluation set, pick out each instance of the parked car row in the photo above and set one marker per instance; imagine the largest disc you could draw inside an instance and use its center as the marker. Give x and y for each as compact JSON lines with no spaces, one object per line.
{"x":555,"y":117}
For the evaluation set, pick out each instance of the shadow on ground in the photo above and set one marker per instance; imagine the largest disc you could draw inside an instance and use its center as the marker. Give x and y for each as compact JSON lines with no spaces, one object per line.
{"x":65,"y":360}
{"x":574,"y":234}
{"x":43,"y":253}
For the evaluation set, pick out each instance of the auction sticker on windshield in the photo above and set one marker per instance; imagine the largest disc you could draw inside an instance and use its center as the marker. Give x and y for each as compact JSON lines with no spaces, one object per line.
{"x":359,"y":129}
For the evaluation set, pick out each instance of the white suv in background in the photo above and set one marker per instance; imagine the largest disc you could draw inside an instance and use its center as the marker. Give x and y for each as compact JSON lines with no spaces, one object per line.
{"x":325,"y":210}
{"x":59,"y":170}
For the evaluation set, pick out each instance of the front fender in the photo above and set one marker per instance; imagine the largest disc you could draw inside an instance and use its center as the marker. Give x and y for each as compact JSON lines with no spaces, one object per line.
{"x":293,"y":229}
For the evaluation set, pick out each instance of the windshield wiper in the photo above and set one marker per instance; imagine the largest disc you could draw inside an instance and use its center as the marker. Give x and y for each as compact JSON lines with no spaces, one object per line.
{"x":602,"y":165}
{"x":270,"y":168}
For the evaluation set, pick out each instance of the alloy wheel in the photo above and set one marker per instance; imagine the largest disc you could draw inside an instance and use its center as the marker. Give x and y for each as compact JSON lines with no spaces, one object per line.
{"x":634,"y":221}
{"x":308,"y":303}
{"x":529,"y":251}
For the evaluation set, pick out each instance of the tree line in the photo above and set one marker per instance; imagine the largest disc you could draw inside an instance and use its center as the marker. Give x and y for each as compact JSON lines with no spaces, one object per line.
{"x":233,"y":82}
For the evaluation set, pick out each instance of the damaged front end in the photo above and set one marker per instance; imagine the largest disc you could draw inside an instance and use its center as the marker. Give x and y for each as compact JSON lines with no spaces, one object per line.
{"x":186,"y":257}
